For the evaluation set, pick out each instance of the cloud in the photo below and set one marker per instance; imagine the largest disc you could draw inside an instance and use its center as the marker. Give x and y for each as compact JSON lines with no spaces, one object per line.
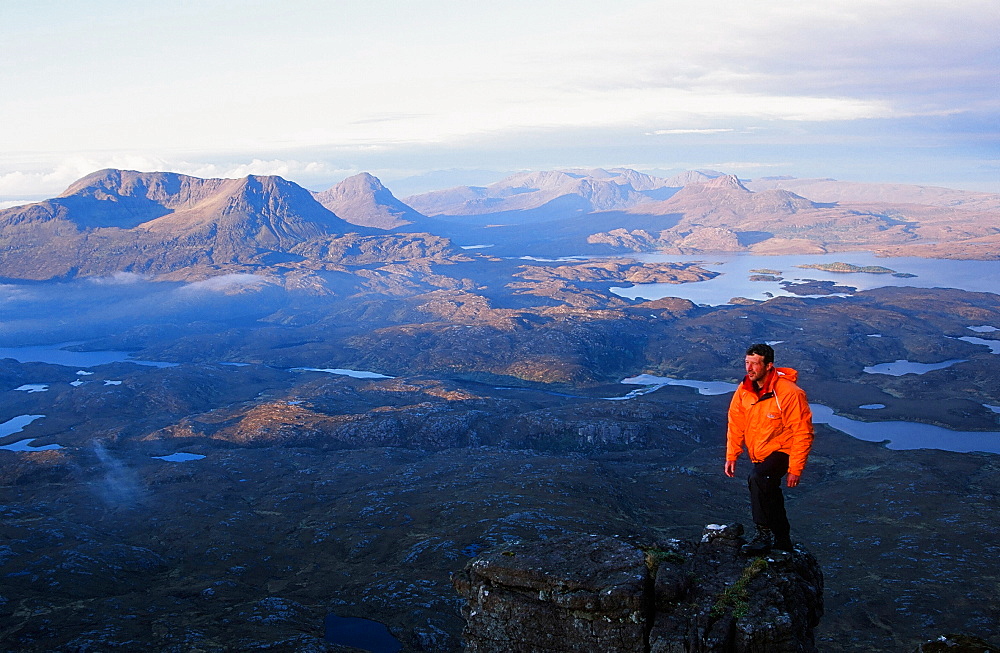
{"x":915,"y":55}
{"x":117,"y":279}
{"x":667,"y":132}
{"x":118,"y":484}
{"x":30,"y":184}
{"x":435,"y":73}
{"x":227,"y":283}
{"x":49,"y":181}
{"x":742,"y":165}
{"x":10,"y":293}
{"x":6,"y":204}
{"x":289,"y":169}
{"x":315,"y":91}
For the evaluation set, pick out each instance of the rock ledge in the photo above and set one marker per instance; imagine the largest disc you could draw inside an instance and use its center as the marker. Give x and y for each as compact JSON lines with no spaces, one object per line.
{"x":594,"y":593}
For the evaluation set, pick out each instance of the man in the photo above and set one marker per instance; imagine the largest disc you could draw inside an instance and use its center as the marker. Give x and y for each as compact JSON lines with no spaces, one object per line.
{"x":770,"y":416}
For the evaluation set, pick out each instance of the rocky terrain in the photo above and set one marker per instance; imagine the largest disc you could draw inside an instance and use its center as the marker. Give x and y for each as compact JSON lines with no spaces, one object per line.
{"x":483,"y":417}
{"x":253,"y":545}
{"x":363,"y":495}
{"x":591,"y":593}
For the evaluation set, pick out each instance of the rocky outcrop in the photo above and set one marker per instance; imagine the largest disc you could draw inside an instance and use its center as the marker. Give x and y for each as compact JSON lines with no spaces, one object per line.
{"x":594,"y":593}
{"x":575,"y":593}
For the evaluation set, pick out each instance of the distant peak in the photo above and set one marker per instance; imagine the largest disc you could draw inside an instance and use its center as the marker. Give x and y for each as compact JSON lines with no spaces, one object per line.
{"x":115,"y":182}
{"x":105,"y":178}
{"x":363,"y":180}
{"x":691,"y":177}
{"x":266,"y":180}
{"x":730,"y":182}
{"x":361,"y":199}
{"x":363,"y":183}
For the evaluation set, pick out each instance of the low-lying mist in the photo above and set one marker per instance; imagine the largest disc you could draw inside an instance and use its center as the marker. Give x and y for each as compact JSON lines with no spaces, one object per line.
{"x":33,"y":313}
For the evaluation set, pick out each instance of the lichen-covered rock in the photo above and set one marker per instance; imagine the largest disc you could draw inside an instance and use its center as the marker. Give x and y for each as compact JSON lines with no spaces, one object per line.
{"x":710,"y":597}
{"x":590,"y":593}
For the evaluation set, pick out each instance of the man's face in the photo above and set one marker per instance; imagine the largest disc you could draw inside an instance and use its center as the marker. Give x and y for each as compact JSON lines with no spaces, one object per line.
{"x":757,"y":369}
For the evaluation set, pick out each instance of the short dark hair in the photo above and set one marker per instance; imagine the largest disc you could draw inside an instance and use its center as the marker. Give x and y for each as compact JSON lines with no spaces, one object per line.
{"x":760,"y":349}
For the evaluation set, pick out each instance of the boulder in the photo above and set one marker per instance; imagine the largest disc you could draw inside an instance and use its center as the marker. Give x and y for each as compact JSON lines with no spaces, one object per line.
{"x":583,"y":592}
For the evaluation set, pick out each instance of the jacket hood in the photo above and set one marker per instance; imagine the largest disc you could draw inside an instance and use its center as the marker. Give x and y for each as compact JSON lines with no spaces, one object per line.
{"x":787,"y":372}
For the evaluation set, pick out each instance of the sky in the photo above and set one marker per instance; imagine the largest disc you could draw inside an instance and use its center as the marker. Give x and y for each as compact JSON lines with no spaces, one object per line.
{"x":429,"y":94}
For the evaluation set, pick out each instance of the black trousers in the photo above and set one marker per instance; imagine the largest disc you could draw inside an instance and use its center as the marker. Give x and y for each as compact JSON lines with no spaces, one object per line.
{"x":767,"y":503}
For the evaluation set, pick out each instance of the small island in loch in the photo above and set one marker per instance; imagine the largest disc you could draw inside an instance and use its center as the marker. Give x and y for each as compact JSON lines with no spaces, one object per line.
{"x":850,"y":267}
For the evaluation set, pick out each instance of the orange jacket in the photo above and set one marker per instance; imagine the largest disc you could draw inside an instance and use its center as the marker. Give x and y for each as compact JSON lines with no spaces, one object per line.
{"x":775,"y":419}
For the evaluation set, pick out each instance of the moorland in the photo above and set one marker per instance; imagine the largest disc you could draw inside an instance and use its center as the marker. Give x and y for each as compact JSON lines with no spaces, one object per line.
{"x":369,"y":391}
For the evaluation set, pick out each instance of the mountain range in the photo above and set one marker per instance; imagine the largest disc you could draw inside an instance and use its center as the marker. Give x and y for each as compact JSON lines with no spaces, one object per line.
{"x":532,"y":196}
{"x":162,"y":223}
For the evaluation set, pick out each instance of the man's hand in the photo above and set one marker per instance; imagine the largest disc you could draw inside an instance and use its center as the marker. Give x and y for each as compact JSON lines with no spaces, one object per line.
{"x":731,"y":468}
{"x":793,"y":480}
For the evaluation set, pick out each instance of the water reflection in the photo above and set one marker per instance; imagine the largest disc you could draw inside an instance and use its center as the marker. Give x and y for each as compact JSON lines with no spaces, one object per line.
{"x":654,"y":383}
{"x":180,"y":457}
{"x":25,"y":445}
{"x":909,"y":435}
{"x":357,"y":374}
{"x":735,"y":272}
{"x":32,"y":387}
{"x":17,"y":424}
{"x":902,"y":367}
{"x":58,"y":355}
{"x":360,"y":633}
{"x":994,"y":345}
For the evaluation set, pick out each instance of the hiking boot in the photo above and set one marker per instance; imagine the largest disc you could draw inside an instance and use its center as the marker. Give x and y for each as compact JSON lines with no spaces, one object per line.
{"x":760,"y":544}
